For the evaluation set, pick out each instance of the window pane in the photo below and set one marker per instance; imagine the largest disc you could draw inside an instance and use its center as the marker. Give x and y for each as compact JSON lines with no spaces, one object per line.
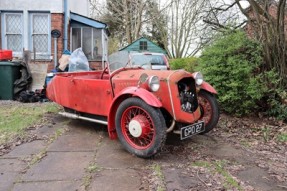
{"x":97,"y":44}
{"x":143,"y":45}
{"x":13,"y":31}
{"x":14,"y":42}
{"x":76,"y":38}
{"x":40,"y":43}
{"x":40,"y":33}
{"x":87,"y":42}
{"x":14,"y":23}
{"x":40,"y":24}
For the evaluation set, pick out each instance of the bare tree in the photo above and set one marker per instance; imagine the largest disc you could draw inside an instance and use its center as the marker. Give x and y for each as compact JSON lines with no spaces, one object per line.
{"x":126,"y":17}
{"x":265,"y":20}
{"x":223,"y":14}
{"x":176,"y":24}
{"x":185,"y":27}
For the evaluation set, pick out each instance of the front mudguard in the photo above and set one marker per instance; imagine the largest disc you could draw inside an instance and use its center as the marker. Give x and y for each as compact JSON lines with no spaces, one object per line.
{"x":142,"y":93}
{"x":207,"y":87}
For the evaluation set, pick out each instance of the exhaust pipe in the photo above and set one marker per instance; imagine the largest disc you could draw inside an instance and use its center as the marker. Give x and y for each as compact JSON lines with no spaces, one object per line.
{"x":171,"y":127}
{"x":76,"y":116}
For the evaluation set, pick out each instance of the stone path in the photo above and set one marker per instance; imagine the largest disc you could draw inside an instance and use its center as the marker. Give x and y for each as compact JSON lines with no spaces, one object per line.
{"x":72,"y":156}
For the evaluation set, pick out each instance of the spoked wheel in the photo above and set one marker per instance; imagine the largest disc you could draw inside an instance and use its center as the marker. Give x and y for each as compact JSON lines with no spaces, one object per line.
{"x":141,"y":128}
{"x":209,"y":108}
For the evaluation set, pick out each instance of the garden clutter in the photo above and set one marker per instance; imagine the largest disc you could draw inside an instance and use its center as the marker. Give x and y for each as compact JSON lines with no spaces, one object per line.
{"x":78,"y":61}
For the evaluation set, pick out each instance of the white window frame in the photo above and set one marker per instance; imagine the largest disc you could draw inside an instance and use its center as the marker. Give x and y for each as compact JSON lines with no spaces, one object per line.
{"x":40,"y":55}
{"x":105,"y":45}
{"x":4,"y":34}
{"x":104,"y":42}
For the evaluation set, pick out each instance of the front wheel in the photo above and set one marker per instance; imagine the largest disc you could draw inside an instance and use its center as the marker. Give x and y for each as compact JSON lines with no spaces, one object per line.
{"x":210,"y":110}
{"x":140,"y":128}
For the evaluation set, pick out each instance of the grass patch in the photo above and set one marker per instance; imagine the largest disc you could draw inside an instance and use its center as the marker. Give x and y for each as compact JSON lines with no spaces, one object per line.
{"x":158,"y":172}
{"x":15,"y":118}
{"x":229,"y":180}
{"x":38,"y":157}
{"x":57,"y":134}
{"x":159,"y":175}
{"x":201,"y":164}
{"x":218,"y":167}
{"x":266,"y":134}
{"x":92,"y":168}
{"x":282,"y":137}
{"x":245,"y":143}
{"x":87,"y":181}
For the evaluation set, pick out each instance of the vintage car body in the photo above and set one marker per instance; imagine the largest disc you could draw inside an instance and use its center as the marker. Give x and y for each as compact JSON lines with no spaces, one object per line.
{"x":126,"y":101}
{"x":206,"y":95}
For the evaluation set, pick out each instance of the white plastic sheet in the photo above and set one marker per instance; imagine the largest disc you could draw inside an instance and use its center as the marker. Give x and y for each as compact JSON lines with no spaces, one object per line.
{"x":78,"y":61}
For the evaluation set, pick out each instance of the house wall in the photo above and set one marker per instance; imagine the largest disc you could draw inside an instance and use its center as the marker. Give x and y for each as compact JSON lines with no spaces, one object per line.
{"x":54,"y":6}
{"x":81,"y":8}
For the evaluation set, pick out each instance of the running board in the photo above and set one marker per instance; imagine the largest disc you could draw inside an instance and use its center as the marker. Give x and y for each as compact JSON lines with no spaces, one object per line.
{"x":76,"y":116}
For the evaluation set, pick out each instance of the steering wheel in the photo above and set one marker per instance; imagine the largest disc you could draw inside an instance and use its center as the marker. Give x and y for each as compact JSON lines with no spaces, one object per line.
{"x":105,"y":71}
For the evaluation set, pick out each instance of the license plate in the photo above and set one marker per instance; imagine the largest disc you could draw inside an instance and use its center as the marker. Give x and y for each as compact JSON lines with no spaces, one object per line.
{"x":190,"y":130}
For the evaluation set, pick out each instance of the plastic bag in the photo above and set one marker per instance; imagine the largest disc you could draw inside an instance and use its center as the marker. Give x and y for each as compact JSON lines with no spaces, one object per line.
{"x":78,"y":61}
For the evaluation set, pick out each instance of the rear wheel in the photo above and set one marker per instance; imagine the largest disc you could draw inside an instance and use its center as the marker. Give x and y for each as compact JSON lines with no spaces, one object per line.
{"x":140,"y":128}
{"x":209,"y":108}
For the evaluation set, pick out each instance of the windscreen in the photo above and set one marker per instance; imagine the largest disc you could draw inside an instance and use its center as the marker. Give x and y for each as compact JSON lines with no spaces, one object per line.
{"x":118,"y":60}
{"x":146,"y":59}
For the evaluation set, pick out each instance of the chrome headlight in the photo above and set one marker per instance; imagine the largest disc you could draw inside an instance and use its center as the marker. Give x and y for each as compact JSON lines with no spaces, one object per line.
{"x":198,"y":78}
{"x":153,"y":83}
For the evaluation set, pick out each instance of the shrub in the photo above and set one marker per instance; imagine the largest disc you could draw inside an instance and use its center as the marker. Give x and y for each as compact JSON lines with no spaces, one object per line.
{"x":188,"y":64}
{"x":277,"y":102}
{"x":231,"y":64}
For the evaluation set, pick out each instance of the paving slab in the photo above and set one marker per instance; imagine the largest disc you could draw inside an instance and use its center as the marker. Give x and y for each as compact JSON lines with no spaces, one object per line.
{"x":177,"y":180}
{"x":111,"y":154}
{"x":60,"y":166}
{"x":7,"y":180}
{"x":11,"y":165}
{"x":257,"y":177}
{"x":80,"y":126}
{"x":110,"y":180}
{"x":80,"y":142}
{"x":47,"y":186}
{"x":27,"y":149}
{"x":46,"y":131}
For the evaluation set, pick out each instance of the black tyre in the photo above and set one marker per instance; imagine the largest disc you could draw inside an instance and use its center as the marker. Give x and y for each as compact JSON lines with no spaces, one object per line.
{"x":210,"y":110}
{"x":140,"y":128}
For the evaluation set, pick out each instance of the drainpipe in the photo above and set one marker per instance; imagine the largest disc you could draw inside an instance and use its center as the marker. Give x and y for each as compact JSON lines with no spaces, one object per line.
{"x":66,"y":18}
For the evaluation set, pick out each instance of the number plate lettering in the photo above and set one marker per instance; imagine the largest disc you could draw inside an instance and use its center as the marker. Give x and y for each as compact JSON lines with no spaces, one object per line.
{"x":190,"y":130}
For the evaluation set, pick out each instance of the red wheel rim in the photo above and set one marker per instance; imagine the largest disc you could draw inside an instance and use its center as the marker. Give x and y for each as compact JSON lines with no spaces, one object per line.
{"x":144,"y":139}
{"x":206,"y":109}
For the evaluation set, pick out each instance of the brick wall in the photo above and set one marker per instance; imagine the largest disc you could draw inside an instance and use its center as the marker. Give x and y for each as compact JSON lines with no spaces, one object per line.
{"x":253,"y":30}
{"x":57,"y":22}
{"x":97,"y":65}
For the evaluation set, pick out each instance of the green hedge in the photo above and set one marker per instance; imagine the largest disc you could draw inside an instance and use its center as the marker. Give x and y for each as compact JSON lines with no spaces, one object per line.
{"x":231,"y":65}
{"x":188,"y":64}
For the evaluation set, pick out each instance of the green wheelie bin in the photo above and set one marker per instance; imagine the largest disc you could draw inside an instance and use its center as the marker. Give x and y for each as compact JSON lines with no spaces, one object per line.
{"x":9,"y":72}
